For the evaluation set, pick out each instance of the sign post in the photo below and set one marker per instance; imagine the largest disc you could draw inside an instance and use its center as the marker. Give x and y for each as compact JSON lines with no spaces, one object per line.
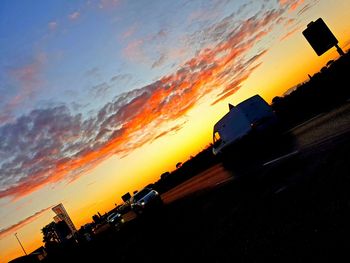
{"x":320,"y":37}
{"x":61,"y":214}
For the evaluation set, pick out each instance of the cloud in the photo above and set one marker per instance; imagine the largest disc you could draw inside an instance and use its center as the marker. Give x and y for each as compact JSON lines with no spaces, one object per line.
{"x":12,"y":229}
{"x":100,"y":90}
{"x":296,"y":4}
{"x":290,"y":33}
{"x":160,"y":61}
{"x":51,"y":145}
{"x":289,"y":22}
{"x":93,"y":72}
{"x":125,"y":78}
{"x":140,"y":50}
{"x":52,"y":25}
{"x":172,"y":130}
{"x":129,"y":32}
{"x":134,"y":51}
{"x":291,"y":5}
{"x":108,"y":4}
{"x":283,"y":2}
{"x":27,"y":78}
{"x":74,"y":16}
{"x":307,"y":6}
{"x":208,"y":10}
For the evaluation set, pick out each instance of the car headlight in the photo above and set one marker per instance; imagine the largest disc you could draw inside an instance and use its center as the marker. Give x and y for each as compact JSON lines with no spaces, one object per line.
{"x":143,"y":203}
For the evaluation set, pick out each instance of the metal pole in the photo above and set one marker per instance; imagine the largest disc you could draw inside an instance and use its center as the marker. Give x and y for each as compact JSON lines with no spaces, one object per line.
{"x":340,"y":51}
{"x":20,"y":244}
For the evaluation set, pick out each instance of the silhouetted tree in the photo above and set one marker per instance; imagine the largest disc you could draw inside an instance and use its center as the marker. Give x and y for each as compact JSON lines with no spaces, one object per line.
{"x":96,"y":218}
{"x":50,"y":238}
{"x":62,"y":229}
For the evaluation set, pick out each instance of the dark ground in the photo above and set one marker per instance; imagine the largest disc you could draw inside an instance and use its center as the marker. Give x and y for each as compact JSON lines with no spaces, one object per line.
{"x":296,"y":210}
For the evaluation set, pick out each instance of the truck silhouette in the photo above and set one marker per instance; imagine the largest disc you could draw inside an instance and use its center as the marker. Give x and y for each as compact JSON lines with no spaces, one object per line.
{"x":252,"y":116}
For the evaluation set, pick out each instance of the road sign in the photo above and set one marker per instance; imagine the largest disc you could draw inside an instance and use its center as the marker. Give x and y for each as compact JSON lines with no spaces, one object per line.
{"x":320,"y":37}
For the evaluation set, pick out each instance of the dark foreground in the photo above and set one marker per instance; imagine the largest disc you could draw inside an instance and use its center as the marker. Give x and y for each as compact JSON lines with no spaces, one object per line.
{"x":295,"y":210}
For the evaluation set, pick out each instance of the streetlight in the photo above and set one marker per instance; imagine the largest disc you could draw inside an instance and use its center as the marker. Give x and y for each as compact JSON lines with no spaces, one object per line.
{"x":20,"y":244}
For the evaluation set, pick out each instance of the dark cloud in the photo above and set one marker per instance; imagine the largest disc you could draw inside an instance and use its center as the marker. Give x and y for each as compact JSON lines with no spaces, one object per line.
{"x":125,"y":78}
{"x":100,"y":90}
{"x":93,"y":72}
{"x":308,"y":6}
{"x":160,"y":61}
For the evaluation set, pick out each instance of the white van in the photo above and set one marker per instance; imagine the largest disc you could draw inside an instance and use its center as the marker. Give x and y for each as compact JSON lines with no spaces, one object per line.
{"x":251,"y":115}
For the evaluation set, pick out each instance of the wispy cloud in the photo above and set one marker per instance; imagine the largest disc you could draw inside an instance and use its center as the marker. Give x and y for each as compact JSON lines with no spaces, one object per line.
{"x":172,"y":130}
{"x":108,"y":4}
{"x":52,"y":145}
{"x":308,"y":6}
{"x":160,"y":61}
{"x":100,"y":90}
{"x":290,"y":33}
{"x":291,"y":4}
{"x":12,"y":229}
{"x":121,"y":78}
{"x":27,"y":79}
{"x":129,"y":32}
{"x":52,"y":25}
{"x":138,"y":51}
{"x":134,"y":51}
{"x":74,"y":16}
{"x":296,"y":4}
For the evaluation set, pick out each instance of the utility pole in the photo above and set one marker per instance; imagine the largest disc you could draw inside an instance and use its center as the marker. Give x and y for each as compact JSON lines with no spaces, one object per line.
{"x":20,"y":244}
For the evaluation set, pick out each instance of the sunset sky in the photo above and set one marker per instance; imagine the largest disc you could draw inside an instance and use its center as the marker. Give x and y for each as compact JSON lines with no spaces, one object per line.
{"x":99,"y":98}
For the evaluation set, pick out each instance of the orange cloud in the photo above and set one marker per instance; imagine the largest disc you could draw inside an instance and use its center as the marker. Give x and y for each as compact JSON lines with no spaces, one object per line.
{"x":12,"y":229}
{"x":292,"y":5}
{"x":296,"y":4}
{"x":48,"y":152}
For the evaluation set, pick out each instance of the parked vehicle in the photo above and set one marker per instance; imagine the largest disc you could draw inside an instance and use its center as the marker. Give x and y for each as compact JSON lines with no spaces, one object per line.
{"x":144,"y":200}
{"x":253,"y":115}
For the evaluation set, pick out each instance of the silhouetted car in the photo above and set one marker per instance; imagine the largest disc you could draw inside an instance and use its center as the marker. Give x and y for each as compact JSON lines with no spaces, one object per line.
{"x":115,"y":219}
{"x":145,"y":199}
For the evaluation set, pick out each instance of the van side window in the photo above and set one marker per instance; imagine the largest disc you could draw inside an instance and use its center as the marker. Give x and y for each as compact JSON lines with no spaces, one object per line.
{"x":217,"y":139}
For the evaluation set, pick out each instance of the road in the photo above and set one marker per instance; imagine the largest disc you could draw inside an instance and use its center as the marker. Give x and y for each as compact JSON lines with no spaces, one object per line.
{"x":323,"y":128}
{"x":206,"y":180}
